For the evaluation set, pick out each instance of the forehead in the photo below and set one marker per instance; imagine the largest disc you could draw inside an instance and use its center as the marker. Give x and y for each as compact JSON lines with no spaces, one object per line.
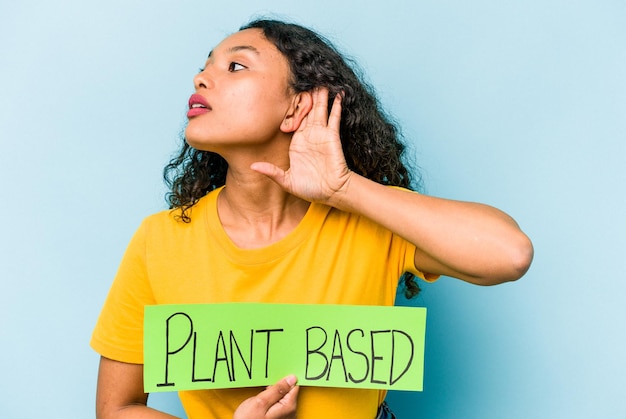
{"x":252,"y":40}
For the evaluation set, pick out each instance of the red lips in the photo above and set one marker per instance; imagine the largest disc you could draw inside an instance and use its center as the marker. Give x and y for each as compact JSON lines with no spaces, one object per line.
{"x":197,"y":105}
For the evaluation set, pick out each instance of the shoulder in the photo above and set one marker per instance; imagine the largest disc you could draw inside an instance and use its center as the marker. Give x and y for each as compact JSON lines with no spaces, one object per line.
{"x":172,"y":219}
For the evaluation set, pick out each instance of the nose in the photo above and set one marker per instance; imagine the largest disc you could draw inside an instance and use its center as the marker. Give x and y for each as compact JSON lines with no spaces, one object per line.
{"x":202,"y":80}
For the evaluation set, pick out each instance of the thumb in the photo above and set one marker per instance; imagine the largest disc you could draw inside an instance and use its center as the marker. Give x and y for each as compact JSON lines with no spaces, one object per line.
{"x":272,"y":171}
{"x":281,"y":396}
{"x":286,"y":407}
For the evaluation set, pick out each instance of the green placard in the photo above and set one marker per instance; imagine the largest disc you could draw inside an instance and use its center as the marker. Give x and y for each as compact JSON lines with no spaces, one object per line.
{"x":207,"y":346}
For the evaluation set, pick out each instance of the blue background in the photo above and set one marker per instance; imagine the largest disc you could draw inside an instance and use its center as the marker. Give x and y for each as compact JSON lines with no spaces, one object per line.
{"x":519,"y":104}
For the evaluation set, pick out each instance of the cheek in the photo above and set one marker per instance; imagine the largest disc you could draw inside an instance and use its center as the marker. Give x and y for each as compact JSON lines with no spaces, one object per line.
{"x":268,"y":101}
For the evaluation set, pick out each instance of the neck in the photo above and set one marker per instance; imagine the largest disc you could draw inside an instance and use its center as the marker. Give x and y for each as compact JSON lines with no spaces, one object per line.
{"x":255,"y":211}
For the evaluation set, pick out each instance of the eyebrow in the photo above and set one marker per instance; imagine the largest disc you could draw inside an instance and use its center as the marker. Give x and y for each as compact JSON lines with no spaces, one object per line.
{"x":240,"y":48}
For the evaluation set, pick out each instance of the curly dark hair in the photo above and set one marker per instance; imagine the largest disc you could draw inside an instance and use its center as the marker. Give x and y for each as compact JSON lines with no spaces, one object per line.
{"x":370,"y":139}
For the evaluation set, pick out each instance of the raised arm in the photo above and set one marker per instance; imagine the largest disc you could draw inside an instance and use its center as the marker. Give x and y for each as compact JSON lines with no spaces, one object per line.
{"x":470,"y":241}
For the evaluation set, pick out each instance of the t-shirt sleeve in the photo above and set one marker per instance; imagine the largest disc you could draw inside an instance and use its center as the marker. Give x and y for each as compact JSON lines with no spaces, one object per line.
{"x":118,"y":334}
{"x":409,"y":260}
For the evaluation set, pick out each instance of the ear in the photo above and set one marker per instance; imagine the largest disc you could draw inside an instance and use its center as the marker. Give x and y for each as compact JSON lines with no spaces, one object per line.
{"x":300,"y":107}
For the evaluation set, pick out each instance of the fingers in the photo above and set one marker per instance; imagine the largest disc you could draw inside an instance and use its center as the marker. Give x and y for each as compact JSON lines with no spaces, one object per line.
{"x":281,"y":388}
{"x":319,"y":112}
{"x":272,"y":171}
{"x":286,"y":407}
{"x":280,"y":399}
{"x":320,"y":106}
{"x":334,"y":120}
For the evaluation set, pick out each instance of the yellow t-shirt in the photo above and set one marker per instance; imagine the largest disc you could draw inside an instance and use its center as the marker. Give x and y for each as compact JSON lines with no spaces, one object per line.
{"x":331,"y":257}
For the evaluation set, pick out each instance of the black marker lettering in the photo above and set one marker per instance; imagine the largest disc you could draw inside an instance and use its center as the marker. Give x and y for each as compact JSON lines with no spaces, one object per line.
{"x":223,"y":358}
{"x":193,"y":364}
{"x":233,"y":343}
{"x":374,"y":357}
{"x":267,"y":346}
{"x":169,"y":352}
{"x":334,"y":355}
{"x":393,"y":356}
{"x":315,"y":351}
{"x":351,"y":349}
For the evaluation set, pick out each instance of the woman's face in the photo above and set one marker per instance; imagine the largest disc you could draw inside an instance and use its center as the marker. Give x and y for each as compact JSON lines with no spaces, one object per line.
{"x":242,"y":94}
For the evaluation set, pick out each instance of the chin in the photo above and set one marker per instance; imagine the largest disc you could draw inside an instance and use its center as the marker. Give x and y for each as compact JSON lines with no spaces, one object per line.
{"x":196,"y":141}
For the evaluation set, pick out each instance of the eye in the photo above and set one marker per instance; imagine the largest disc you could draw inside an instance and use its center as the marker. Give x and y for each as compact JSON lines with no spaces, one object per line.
{"x":200,"y":70}
{"x":233,"y":66}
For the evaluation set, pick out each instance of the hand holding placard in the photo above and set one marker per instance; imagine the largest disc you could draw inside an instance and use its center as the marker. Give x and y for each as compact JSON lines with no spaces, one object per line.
{"x":200,"y":346}
{"x":277,"y":400}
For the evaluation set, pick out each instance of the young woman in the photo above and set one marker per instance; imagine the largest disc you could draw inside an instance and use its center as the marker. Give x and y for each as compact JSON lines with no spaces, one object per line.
{"x":289,"y":189}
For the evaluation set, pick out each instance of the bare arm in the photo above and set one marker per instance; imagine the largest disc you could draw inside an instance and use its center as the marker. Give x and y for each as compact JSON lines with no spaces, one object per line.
{"x":120,"y":392}
{"x":474,"y":242}
{"x":470,"y":241}
{"x":120,"y":395}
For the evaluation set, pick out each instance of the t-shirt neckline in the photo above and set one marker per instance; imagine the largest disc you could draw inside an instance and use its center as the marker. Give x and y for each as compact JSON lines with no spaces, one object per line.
{"x":310,"y":223}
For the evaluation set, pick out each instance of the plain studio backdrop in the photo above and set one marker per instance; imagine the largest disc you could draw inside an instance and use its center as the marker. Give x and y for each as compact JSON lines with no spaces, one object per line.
{"x":518,"y":104}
